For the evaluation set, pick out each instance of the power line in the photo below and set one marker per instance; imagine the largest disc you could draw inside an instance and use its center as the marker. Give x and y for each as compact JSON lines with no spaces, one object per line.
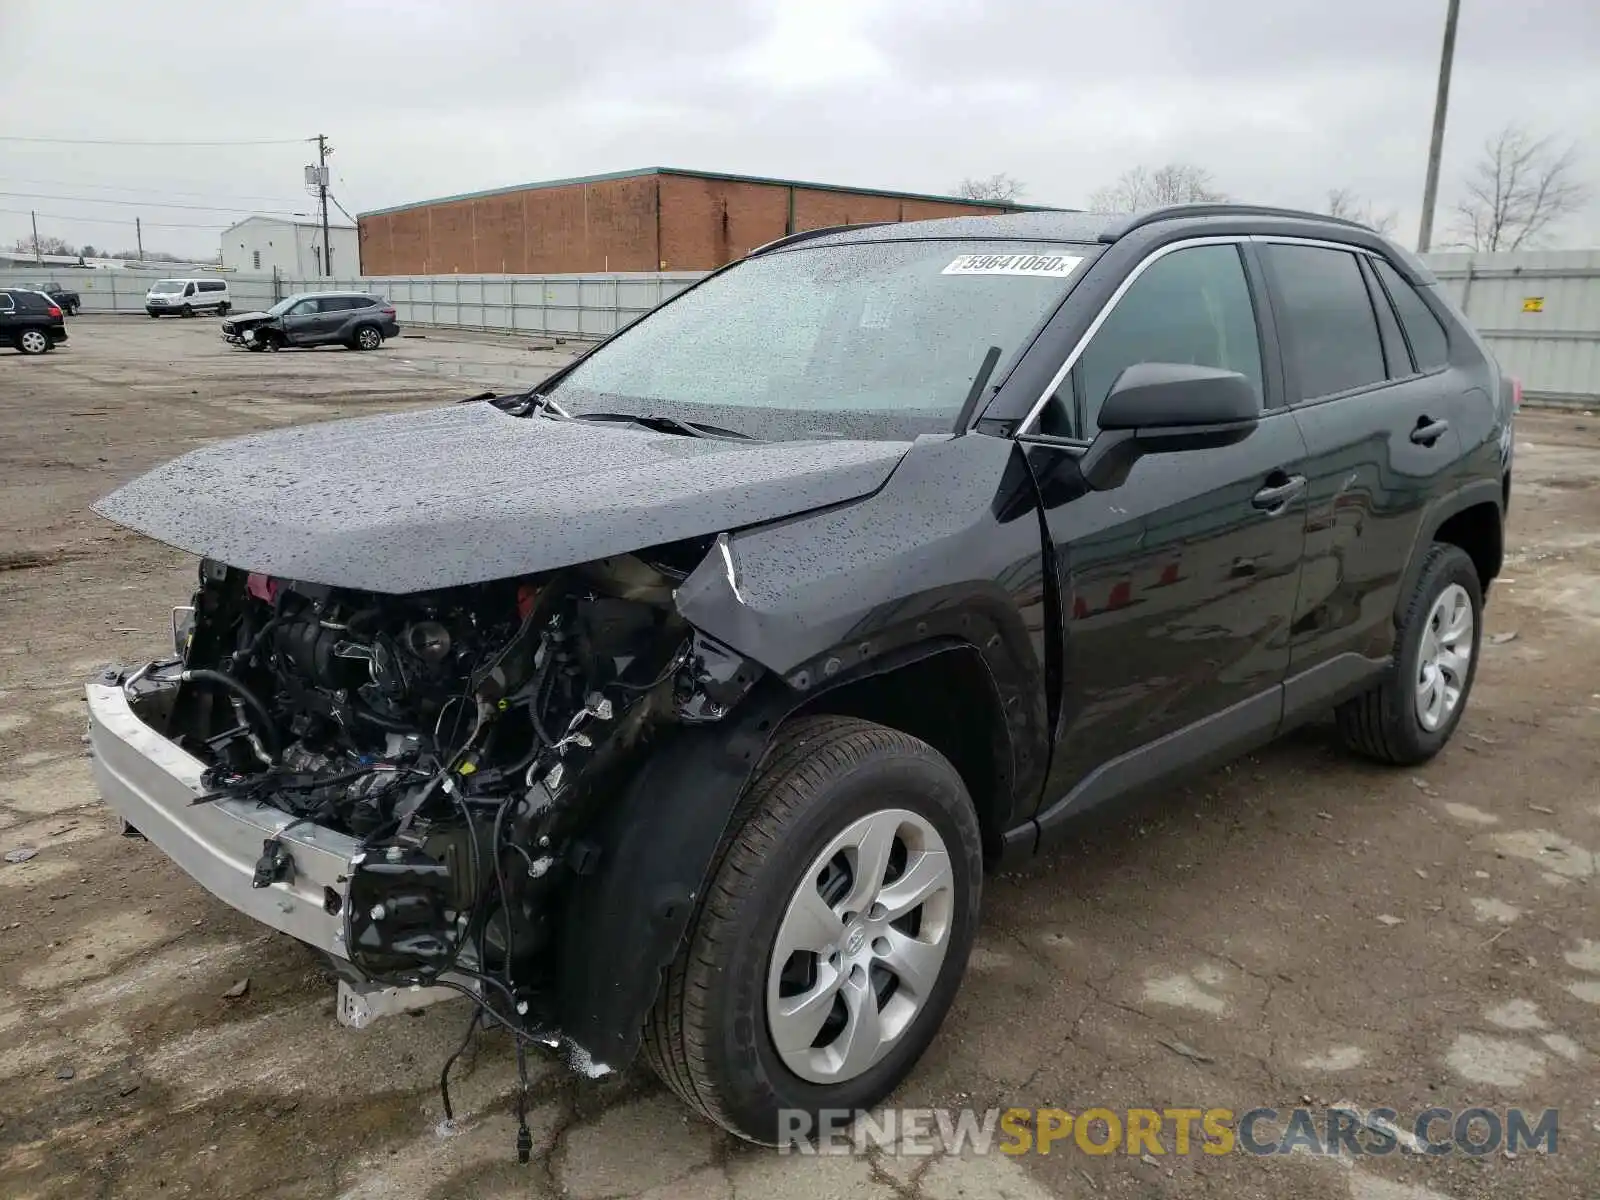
{"x":111,"y":220}
{"x":151,"y":204}
{"x":132,"y":142}
{"x":109,"y":187}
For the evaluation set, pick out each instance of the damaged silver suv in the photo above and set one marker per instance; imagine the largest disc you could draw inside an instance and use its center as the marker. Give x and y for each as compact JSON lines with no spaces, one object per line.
{"x":681,"y":702}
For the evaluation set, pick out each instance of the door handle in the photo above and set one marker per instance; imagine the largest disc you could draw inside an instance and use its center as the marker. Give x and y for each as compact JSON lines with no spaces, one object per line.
{"x":1429,"y":431}
{"x":1275,"y":497}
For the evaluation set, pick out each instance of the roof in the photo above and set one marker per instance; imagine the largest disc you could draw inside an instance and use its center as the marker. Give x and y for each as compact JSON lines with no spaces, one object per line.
{"x":1041,"y":226}
{"x":314,"y":222}
{"x":642,"y":172}
{"x":1065,"y":225}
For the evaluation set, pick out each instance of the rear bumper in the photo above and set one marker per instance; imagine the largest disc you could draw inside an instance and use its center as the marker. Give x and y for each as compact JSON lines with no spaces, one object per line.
{"x":152,"y":783}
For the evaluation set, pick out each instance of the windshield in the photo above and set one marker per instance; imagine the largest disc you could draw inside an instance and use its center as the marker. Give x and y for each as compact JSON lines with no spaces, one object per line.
{"x":867,"y":340}
{"x":167,"y":287}
{"x":284,"y":305}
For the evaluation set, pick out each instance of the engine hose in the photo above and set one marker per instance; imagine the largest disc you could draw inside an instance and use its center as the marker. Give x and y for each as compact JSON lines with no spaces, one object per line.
{"x":253,"y":702}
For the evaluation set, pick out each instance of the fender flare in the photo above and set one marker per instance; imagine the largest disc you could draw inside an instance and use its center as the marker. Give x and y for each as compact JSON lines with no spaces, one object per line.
{"x":1480,"y":491}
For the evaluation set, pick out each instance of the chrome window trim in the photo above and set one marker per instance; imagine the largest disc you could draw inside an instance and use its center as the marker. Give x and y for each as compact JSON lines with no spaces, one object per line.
{"x":1232,"y":239}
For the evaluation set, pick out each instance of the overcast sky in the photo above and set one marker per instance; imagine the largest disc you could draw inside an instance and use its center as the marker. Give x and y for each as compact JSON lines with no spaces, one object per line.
{"x":1280,"y":99}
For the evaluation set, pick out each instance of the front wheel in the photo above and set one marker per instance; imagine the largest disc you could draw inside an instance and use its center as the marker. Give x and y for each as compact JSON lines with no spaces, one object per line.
{"x":1409,"y":715}
{"x":831,"y":939}
{"x":187,"y":310}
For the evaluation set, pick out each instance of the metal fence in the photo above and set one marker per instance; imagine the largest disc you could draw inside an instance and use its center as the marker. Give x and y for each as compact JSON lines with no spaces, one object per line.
{"x":577,"y":306}
{"x":1539,"y":311}
{"x":122,"y":290}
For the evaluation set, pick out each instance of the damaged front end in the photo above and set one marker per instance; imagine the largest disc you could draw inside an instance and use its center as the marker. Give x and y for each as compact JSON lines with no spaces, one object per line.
{"x":420,"y":784}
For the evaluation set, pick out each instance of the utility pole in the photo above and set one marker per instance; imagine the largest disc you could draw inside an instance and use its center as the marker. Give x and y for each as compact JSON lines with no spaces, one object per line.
{"x":1430,"y":188}
{"x":322,"y":194}
{"x":138,"y":233}
{"x":38,"y":258}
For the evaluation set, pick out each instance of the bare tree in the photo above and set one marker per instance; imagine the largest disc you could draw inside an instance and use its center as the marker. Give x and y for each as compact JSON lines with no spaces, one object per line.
{"x":47,"y":245}
{"x":1002,"y":187}
{"x":1342,"y":202}
{"x":1152,"y":187}
{"x":1517,"y":192}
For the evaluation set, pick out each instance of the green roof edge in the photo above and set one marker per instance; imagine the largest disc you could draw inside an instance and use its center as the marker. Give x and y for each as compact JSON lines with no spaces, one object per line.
{"x":997,"y":205}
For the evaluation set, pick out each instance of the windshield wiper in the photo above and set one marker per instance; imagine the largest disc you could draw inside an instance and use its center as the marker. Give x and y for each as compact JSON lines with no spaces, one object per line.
{"x":665,"y":424}
{"x":522,"y":404}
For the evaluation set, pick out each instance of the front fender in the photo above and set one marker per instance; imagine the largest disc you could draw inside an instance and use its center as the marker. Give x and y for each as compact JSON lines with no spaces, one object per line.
{"x":950,"y":549}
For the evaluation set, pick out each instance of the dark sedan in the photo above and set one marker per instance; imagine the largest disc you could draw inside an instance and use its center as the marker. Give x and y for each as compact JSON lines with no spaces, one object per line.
{"x":353,"y":319}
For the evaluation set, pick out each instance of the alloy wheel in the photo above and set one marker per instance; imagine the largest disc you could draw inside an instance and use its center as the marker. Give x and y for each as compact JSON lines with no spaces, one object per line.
{"x":33,"y":342}
{"x":1445,"y":657}
{"x":860,"y":946}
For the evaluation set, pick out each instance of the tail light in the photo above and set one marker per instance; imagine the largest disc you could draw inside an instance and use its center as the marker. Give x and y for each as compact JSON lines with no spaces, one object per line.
{"x":1516,"y":394}
{"x":55,"y":310}
{"x":389,"y":311}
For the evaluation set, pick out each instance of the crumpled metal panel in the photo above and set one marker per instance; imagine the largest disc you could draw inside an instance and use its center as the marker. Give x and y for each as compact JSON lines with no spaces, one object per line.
{"x":415,"y":501}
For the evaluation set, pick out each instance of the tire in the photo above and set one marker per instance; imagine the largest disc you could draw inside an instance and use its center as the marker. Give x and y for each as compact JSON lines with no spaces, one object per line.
{"x":33,"y":341}
{"x":710,"y":1033}
{"x":224,"y":309}
{"x":256,"y":345}
{"x":1392,"y":722}
{"x":366,"y":337}
{"x":155,"y":316}
{"x":187,"y":310}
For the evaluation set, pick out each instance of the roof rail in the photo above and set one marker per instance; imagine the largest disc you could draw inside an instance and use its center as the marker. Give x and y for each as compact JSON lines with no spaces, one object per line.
{"x":805,"y":235}
{"x":1123,"y":226}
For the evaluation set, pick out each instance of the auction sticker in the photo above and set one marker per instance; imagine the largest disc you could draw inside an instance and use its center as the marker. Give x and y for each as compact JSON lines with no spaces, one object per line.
{"x":1058,"y":265}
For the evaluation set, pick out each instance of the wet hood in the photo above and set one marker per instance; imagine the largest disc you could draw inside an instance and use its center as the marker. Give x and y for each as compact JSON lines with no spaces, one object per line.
{"x":414,"y":501}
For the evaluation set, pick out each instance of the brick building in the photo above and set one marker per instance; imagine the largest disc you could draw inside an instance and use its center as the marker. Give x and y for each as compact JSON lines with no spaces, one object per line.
{"x":656,"y":219}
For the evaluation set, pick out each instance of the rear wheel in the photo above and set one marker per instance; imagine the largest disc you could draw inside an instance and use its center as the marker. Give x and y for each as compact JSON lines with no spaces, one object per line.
{"x":832,"y":936}
{"x":1410,"y":714}
{"x":33,"y":341}
{"x":366,"y":337}
{"x":224,"y":309}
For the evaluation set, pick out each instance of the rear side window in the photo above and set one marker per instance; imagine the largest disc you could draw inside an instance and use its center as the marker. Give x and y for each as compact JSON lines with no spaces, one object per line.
{"x":1190,"y":306}
{"x":32,"y":302}
{"x":211,"y":287}
{"x":363,"y":302}
{"x":1430,"y":345}
{"x":1331,"y":331}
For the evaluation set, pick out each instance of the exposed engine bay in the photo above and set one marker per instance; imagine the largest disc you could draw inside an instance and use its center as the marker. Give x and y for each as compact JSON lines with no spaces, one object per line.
{"x":465,"y":737}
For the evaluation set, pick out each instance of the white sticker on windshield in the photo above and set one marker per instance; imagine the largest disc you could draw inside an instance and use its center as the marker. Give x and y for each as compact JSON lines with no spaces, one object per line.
{"x":1013,"y":264}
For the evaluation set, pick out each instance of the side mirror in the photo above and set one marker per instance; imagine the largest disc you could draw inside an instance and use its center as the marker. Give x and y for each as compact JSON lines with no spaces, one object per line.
{"x":1160,"y":408}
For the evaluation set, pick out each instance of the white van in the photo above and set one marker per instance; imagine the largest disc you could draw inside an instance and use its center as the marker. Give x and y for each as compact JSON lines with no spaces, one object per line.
{"x":187,"y":297}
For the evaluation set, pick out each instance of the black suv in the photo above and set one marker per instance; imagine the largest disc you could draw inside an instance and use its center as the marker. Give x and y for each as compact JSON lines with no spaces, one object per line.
{"x":683,"y":700}
{"x":31,"y":321}
{"x":352,"y":319}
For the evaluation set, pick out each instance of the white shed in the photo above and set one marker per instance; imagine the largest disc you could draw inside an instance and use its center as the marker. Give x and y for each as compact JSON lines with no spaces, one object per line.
{"x":292,"y":245}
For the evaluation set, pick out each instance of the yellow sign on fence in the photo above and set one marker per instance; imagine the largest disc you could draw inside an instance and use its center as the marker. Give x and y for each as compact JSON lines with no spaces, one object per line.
{"x":1533,"y":304}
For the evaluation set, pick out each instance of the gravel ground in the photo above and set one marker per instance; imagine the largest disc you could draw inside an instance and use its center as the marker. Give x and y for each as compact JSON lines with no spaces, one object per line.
{"x":1299,"y":926}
